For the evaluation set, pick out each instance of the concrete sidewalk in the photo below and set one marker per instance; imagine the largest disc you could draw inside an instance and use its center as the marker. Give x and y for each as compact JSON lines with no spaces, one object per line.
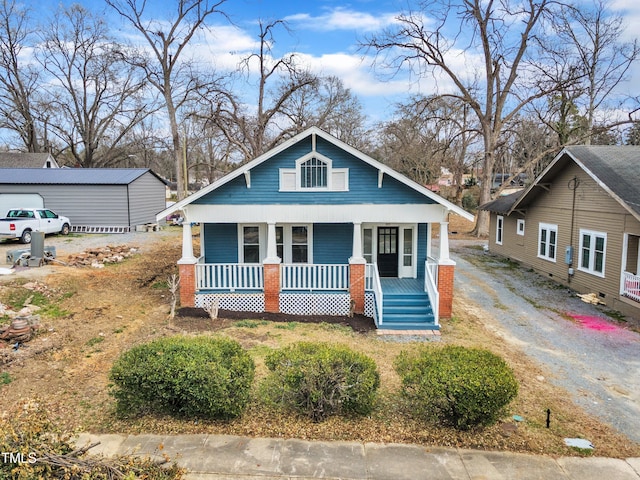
{"x":229,"y":457}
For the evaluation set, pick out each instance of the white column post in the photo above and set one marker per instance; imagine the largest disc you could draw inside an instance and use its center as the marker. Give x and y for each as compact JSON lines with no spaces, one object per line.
{"x":272,"y":247}
{"x":187,"y":244}
{"x":444,"y":259}
{"x":356,"y":256}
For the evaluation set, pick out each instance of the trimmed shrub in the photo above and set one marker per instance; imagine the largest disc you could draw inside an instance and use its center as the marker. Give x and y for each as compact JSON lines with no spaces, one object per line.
{"x":456,"y":386}
{"x":319,"y":380}
{"x":185,"y":376}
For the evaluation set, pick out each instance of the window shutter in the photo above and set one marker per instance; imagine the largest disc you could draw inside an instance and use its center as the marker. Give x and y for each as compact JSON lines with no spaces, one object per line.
{"x":287,"y":180}
{"x":339,"y":180}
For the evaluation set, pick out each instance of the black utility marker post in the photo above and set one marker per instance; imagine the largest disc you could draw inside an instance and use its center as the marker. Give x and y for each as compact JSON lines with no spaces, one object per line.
{"x":548,"y":417}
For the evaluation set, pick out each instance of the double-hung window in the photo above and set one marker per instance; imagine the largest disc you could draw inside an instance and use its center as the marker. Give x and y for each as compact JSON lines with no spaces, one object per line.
{"x":547,"y":241}
{"x":499,"y":229}
{"x":592,"y":252}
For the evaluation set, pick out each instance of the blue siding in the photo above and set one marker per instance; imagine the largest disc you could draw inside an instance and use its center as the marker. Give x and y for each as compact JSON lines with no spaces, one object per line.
{"x":221,"y":242}
{"x":265,"y":182}
{"x":422,"y":248}
{"x":332,"y":243}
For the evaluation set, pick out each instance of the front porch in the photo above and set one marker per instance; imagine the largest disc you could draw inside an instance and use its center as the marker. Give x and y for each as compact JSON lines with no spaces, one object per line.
{"x":404,"y":294}
{"x":325,"y":289}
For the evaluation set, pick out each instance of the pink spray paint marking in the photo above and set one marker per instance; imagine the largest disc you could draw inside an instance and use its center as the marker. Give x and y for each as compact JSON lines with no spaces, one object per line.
{"x":595,"y":323}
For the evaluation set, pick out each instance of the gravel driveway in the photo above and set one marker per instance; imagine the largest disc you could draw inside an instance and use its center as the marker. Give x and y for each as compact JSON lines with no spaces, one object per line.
{"x":76,"y":243}
{"x":596,"y":359}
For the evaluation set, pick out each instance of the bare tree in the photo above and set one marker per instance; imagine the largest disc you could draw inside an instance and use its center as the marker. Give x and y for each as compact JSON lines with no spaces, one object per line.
{"x":595,"y":34}
{"x":19,"y":80}
{"x":175,"y":79}
{"x":329,"y":105}
{"x":430,"y":134}
{"x":499,"y":31}
{"x":94,"y":96}
{"x":253,"y":128}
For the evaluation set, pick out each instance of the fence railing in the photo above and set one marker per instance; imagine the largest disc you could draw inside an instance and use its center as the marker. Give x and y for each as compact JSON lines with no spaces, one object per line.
{"x":314,"y":277}
{"x":229,"y":276}
{"x":631,"y":286}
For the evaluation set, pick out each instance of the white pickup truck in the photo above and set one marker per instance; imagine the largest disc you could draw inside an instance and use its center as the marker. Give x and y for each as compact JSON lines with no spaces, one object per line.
{"x":20,"y":222}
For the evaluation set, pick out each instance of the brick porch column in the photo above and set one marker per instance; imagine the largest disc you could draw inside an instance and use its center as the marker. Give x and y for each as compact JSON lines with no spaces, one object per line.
{"x":187,"y":272}
{"x":445,"y":289}
{"x":271,"y":287}
{"x":357,"y":270}
{"x":187,"y":268}
{"x":356,"y":285}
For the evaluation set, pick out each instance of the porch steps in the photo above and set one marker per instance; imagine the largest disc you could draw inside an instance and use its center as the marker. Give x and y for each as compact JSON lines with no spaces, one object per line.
{"x":408,"y":311}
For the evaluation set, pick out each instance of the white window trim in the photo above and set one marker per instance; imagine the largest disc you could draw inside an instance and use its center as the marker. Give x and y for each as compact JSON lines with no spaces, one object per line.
{"x":288,"y":242}
{"x":403,"y":272}
{"x":499,"y":229}
{"x":298,"y":175}
{"x":548,"y":227}
{"x":590,"y":270}
{"x":262,"y":244}
{"x":262,"y":239}
{"x":520,"y":231}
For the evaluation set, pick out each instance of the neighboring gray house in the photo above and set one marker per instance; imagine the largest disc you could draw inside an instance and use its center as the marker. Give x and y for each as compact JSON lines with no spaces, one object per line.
{"x":27,"y":160}
{"x":95,"y":199}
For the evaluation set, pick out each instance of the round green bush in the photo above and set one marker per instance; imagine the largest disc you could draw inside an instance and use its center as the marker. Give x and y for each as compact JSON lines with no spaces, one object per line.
{"x":456,"y":386}
{"x":184,"y":376}
{"x":319,"y":380}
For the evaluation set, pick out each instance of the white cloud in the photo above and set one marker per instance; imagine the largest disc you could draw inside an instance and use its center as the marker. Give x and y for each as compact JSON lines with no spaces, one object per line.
{"x":342,"y":19}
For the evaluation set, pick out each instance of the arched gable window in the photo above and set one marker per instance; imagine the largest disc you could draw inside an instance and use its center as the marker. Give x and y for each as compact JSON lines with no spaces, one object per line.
{"x":313,"y":173}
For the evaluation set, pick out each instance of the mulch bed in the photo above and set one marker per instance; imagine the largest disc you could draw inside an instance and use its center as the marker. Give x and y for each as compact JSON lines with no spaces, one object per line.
{"x":359,"y":323}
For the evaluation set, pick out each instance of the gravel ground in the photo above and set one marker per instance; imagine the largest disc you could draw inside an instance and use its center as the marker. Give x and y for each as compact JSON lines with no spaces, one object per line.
{"x":76,"y":243}
{"x":599,"y":367}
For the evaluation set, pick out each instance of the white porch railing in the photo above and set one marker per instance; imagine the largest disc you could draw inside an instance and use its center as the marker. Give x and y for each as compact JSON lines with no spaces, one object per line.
{"x":229,"y":276}
{"x":431,"y":287}
{"x":631,"y":286}
{"x":314,"y":277}
{"x":372,"y":283}
{"x":432,"y":267}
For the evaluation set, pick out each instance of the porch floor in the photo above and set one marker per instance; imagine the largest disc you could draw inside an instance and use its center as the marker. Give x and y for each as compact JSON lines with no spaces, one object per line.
{"x":402,"y":285}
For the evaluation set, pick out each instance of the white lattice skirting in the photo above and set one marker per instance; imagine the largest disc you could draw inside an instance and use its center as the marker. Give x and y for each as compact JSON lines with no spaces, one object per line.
{"x":315,"y":303}
{"x":236,"y":302}
{"x":291,"y":303}
{"x":369,"y":304}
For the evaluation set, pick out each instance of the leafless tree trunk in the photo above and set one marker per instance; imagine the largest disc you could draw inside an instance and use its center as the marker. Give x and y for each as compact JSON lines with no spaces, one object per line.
{"x":173,"y":78}
{"x":95,"y":97}
{"x":604,"y":61}
{"x":19,"y":81}
{"x":278,"y":81}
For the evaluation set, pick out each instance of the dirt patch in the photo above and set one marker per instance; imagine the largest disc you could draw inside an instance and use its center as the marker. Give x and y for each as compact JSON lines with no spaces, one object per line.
{"x":191,"y":319}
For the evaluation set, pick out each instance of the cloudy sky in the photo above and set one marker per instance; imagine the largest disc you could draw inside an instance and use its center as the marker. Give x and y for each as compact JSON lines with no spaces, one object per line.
{"x":325,"y":35}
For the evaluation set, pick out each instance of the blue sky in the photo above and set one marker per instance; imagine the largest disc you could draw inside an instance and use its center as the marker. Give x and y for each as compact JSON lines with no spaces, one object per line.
{"x":324,"y":35}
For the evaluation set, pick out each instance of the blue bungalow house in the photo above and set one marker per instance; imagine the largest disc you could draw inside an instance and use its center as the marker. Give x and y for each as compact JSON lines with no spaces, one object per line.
{"x":316,"y":227}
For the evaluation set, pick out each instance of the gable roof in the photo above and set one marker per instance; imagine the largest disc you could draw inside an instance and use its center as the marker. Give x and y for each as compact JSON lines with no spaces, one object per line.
{"x":616,"y":169}
{"x":502,"y":204}
{"x":383,"y":169}
{"x":26,"y":160}
{"x":72,"y":176}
